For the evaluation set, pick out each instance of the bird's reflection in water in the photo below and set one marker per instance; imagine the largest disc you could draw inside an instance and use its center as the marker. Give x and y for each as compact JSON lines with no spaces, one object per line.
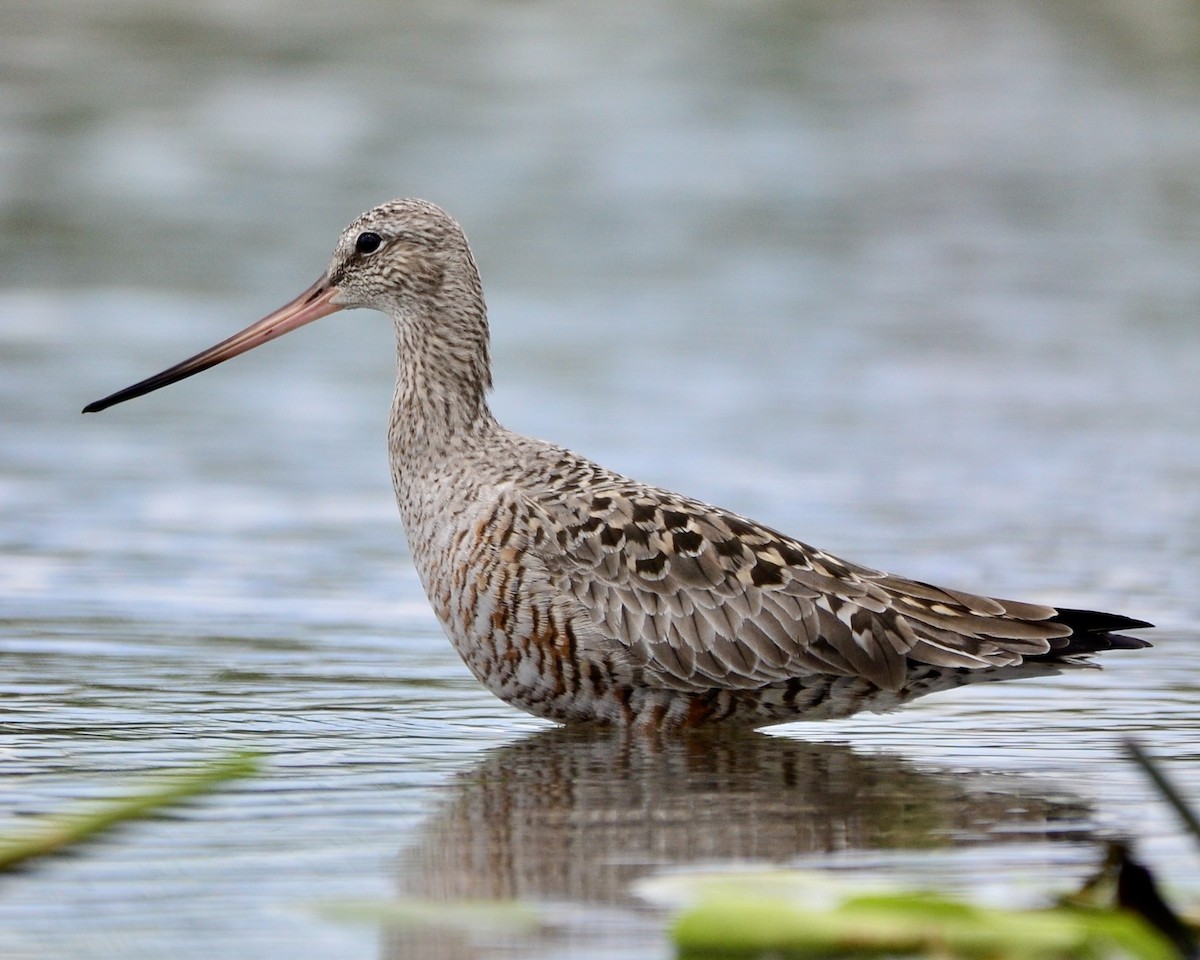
{"x":568,"y":819}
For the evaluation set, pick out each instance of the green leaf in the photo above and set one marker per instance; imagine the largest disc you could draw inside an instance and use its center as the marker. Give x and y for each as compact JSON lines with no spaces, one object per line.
{"x":724,"y":923}
{"x":58,"y":832}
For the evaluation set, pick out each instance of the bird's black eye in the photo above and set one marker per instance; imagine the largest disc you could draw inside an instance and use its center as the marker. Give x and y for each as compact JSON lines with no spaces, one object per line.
{"x":368,"y":242}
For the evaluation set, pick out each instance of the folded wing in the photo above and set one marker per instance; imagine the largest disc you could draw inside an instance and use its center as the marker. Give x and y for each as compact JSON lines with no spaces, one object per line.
{"x":703,"y":598}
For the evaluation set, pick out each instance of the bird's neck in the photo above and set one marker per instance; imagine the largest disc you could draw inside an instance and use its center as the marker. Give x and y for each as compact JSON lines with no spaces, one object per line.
{"x":442,"y":379}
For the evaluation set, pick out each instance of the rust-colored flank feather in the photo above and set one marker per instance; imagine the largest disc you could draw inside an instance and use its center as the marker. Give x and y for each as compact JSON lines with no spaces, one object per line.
{"x":584,"y":596}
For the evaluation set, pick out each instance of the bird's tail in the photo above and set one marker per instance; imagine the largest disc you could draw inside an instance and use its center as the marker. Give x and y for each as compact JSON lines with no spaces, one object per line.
{"x":1092,"y":632}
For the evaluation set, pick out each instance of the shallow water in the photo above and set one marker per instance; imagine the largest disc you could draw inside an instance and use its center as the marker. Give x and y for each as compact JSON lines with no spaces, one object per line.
{"x":918,"y":285}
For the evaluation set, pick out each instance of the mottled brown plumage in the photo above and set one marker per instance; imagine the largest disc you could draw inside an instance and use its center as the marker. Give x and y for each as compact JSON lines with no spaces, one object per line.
{"x":583,"y":596}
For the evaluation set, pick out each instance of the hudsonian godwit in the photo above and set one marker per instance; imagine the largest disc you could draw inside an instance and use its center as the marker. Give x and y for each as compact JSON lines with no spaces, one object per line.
{"x":580,"y":595}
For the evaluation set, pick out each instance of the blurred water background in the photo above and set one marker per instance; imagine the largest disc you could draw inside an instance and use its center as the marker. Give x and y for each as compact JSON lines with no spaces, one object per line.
{"x":917,"y":282}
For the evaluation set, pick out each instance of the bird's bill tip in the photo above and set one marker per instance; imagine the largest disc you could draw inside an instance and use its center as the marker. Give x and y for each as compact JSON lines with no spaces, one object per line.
{"x":315,"y":302}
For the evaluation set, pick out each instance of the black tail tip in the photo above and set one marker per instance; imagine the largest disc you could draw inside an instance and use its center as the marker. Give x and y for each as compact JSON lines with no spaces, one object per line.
{"x":1093,"y":631}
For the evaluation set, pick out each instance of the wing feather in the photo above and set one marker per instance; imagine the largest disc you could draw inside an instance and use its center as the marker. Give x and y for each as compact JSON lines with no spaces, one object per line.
{"x":703,"y":598}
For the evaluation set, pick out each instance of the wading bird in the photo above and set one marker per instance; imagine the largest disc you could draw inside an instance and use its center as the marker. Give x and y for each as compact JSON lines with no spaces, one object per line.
{"x":581,"y":595}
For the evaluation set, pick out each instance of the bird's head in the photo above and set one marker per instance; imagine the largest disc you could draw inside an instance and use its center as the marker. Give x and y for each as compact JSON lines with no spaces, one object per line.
{"x":407,"y":258}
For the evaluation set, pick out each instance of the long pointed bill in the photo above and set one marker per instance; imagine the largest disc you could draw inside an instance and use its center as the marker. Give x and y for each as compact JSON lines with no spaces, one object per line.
{"x":312,"y":304}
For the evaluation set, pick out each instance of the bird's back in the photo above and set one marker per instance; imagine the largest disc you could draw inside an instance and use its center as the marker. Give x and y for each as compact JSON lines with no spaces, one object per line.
{"x":579,"y":594}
